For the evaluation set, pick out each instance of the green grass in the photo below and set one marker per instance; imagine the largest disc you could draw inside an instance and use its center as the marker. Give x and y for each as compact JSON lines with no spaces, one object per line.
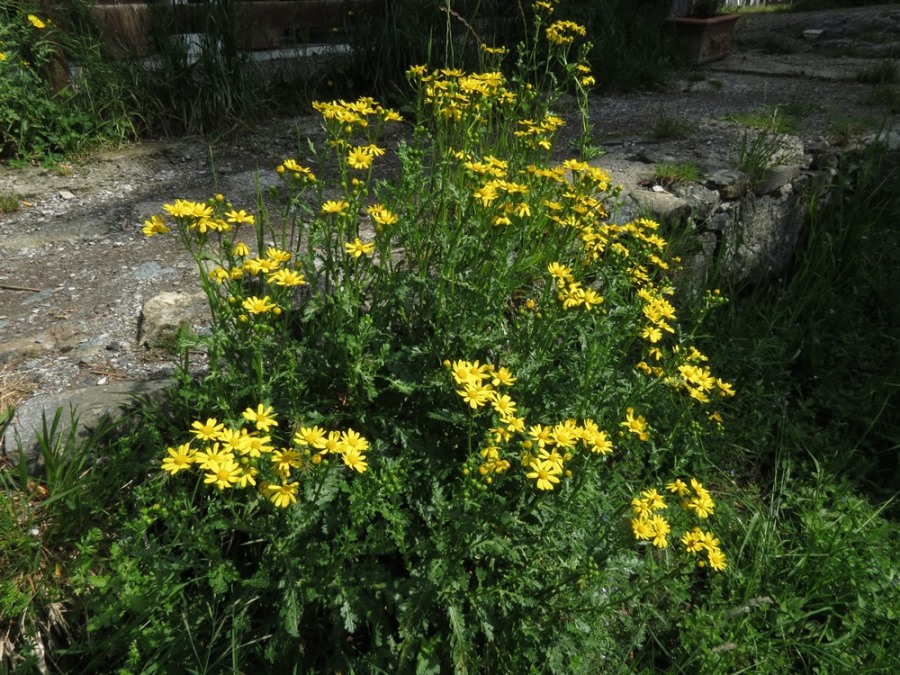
{"x":885,"y":95}
{"x":668,"y":124}
{"x":885,"y":72}
{"x":9,"y":202}
{"x":669,"y":173}
{"x":783,"y":118}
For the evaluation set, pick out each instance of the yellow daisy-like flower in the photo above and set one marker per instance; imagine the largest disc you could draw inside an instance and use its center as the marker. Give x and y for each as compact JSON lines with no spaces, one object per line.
{"x":223,"y":474}
{"x":313,"y":436}
{"x":717,"y":560}
{"x":544,"y":473}
{"x":636,"y":425}
{"x":36,"y":22}
{"x":283,"y":495}
{"x":179,"y":458}
{"x":2,"y":56}
{"x":360,"y":158}
{"x":352,"y":441}
{"x":154,"y":226}
{"x":357,"y":248}
{"x":382,"y":216}
{"x":240,"y":250}
{"x":287,"y":278}
{"x":356,"y":460}
{"x":286,"y":459}
{"x":263,"y":417}
{"x":335,"y":206}
{"x":475,"y":395}
{"x":208,"y":431}
{"x":240,"y":217}
{"x":256,"y":305}
{"x":679,"y":487}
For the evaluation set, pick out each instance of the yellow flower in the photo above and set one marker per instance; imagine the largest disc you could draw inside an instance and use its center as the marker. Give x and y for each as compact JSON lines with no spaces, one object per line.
{"x":286,"y":459}
{"x":178,"y":459}
{"x":504,"y":405}
{"x":208,"y":431}
{"x":475,"y":395}
{"x":313,"y":436}
{"x":660,"y":530}
{"x":154,"y":226}
{"x":717,"y":560}
{"x":382,"y":216}
{"x":240,"y":217}
{"x":36,"y":22}
{"x":214,"y":455}
{"x":286,"y":278}
{"x":636,"y":425}
{"x":183,"y":208}
{"x":263,"y":417}
{"x":283,"y":495}
{"x":679,"y":487}
{"x":256,"y":305}
{"x":545,"y":473}
{"x":502,"y":376}
{"x":560,"y":272}
{"x":241,"y":250}
{"x":360,"y":158}
{"x":257,"y":445}
{"x":356,"y":460}
{"x":642,"y":528}
{"x":2,"y":56}
{"x":351,"y":441}
{"x":336,"y":207}
{"x":223,"y":474}
{"x":357,"y":248}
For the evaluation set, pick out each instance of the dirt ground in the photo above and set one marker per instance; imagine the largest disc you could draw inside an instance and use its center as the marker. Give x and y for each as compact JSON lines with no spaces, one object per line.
{"x":75,"y":268}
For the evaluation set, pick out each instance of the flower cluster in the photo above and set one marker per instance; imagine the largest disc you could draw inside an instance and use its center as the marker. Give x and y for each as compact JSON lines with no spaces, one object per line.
{"x":457,"y":96}
{"x":235,"y":457}
{"x":233,"y":267}
{"x":343,"y":117}
{"x":563,"y":33}
{"x":544,"y":451}
{"x":648,"y":523}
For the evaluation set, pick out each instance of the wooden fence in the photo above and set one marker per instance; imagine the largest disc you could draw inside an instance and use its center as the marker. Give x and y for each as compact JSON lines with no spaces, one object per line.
{"x":128,"y":25}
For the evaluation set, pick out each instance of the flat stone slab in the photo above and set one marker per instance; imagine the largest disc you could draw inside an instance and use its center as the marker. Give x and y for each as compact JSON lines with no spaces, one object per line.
{"x":88,"y":408}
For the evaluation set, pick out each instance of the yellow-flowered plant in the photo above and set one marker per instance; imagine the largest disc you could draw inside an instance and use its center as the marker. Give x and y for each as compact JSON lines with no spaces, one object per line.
{"x":484,"y":249}
{"x":235,"y":457}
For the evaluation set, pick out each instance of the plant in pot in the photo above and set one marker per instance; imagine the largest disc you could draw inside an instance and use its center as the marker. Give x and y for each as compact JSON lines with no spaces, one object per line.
{"x":705,"y":33}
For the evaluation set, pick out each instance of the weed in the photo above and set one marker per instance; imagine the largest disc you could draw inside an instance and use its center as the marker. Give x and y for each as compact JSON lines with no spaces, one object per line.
{"x":884,"y":95}
{"x":757,"y":153}
{"x":782,"y":119}
{"x":9,"y":202}
{"x":885,"y":72}
{"x":670,"y":125}
{"x":676,"y":172}
{"x":842,"y":129}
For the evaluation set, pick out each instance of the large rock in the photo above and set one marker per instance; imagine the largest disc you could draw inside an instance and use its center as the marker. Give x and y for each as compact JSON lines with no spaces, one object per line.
{"x":762,"y":235}
{"x":163,"y":314}
{"x":78,"y":412}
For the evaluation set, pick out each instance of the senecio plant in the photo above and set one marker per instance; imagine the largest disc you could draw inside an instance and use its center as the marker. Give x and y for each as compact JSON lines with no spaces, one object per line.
{"x":430,"y":397}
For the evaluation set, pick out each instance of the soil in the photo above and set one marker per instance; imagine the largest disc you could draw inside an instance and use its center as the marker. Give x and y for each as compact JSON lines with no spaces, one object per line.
{"x":75,"y":268}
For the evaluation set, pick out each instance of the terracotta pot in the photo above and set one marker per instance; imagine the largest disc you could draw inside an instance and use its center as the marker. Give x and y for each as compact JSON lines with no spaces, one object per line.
{"x":705,"y":40}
